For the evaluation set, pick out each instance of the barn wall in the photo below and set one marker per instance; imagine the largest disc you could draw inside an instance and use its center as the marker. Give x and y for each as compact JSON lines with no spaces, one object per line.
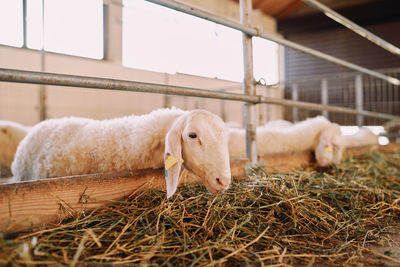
{"x":20,"y":102}
{"x":344,"y":44}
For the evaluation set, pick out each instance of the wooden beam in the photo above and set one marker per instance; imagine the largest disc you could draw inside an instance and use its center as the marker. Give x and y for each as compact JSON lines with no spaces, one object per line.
{"x":28,"y":205}
{"x":272,"y":7}
{"x":289,"y":9}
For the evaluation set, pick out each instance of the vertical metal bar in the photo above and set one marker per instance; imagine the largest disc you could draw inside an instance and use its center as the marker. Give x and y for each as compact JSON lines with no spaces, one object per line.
{"x":324,"y":95}
{"x":295,"y":97}
{"x":248,"y":84}
{"x":222,"y":110}
{"x":24,"y":26}
{"x":267,"y":106}
{"x":42,"y":90}
{"x":167,"y":100}
{"x":106,"y":18}
{"x":359,"y":98}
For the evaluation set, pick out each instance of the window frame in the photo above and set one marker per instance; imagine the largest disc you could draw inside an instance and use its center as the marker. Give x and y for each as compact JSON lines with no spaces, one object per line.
{"x":25,"y":40}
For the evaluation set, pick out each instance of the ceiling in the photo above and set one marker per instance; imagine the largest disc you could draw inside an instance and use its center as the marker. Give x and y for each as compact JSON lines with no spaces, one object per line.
{"x":281,"y":9}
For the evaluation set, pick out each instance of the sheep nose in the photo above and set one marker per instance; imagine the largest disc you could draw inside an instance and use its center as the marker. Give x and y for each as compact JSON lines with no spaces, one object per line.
{"x":223,"y":183}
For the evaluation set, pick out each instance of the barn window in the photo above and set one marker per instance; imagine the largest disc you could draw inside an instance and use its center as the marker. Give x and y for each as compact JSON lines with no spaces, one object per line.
{"x":11,"y":23}
{"x":72,"y":27}
{"x":164,"y":40}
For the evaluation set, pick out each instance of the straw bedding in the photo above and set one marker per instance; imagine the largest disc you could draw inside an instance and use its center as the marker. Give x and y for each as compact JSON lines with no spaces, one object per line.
{"x":309,"y":217}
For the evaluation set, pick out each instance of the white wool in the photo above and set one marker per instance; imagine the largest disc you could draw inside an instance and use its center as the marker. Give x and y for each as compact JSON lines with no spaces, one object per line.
{"x":233,"y":124}
{"x":299,"y":137}
{"x":278,"y":123}
{"x":11,"y":133}
{"x":70,"y":146}
{"x":73,"y":146}
{"x":364,"y":137}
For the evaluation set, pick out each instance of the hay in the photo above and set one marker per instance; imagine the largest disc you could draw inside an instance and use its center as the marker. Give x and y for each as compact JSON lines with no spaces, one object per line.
{"x":308,"y":217}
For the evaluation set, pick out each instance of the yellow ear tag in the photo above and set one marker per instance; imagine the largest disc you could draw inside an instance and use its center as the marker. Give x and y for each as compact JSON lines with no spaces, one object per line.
{"x":171,"y":161}
{"x":328,"y":149}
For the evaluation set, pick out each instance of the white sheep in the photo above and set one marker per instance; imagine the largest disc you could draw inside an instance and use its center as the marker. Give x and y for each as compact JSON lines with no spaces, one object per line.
{"x":278,"y":123}
{"x":164,"y":137}
{"x":11,"y":133}
{"x":364,"y":137}
{"x":392,"y":129}
{"x":299,"y":137}
{"x":233,"y":124}
{"x":327,"y":150}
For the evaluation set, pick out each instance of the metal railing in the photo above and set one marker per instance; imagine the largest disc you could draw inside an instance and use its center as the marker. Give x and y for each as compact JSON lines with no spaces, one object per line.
{"x":350,"y":90}
{"x":257,"y":33}
{"x":20,"y":76}
{"x":8,"y":75}
{"x":354,"y":27}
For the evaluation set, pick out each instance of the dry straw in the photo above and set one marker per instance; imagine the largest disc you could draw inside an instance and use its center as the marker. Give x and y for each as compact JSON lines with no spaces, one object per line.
{"x":326,"y":217}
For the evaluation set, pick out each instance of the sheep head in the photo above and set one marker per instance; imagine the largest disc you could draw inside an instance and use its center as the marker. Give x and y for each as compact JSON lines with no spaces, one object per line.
{"x":199,"y":140}
{"x":327,"y":150}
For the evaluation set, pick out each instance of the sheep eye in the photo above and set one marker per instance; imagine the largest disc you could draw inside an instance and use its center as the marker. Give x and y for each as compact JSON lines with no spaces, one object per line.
{"x":192,"y":135}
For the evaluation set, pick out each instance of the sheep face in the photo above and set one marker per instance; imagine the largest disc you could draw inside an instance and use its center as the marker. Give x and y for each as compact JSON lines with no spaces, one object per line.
{"x":200,"y":139}
{"x":327,"y":151}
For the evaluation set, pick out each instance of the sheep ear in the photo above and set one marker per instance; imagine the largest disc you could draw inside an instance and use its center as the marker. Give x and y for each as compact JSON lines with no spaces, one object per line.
{"x":173,"y":157}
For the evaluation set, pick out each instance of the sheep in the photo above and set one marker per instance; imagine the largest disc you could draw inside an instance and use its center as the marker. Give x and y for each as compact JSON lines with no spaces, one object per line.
{"x":233,"y":124}
{"x":328,"y":151}
{"x":11,"y":133}
{"x":278,"y":123}
{"x":197,"y":139}
{"x":364,"y":137}
{"x":273,"y":123}
{"x":392,"y":129}
{"x":302,"y":136}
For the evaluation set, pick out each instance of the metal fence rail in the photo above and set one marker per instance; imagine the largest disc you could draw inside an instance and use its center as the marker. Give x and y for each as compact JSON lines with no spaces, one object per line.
{"x":255,"y":32}
{"x":354,"y":27}
{"x":20,"y":76}
{"x":350,"y":90}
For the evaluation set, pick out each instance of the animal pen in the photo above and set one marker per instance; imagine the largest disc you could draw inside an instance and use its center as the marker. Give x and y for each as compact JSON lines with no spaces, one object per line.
{"x":287,"y":199}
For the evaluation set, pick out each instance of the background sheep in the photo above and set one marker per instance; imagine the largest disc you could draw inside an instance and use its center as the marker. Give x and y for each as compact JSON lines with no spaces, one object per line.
{"x":392,"y":128}
{"x":278,"y":123}
{"x":71,"y":146}
{"x":233,"y":124}
{"x":364,"y":137}
{"x":302,"y":136}
{"x":11,"y":133}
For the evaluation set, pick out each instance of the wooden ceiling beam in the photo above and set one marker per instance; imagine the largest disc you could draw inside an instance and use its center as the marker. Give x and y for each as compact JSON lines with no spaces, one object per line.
{"x":289,"y":9}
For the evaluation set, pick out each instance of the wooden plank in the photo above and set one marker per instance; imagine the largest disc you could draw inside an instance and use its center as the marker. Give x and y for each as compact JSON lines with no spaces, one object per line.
{"x":35,"y":203}
{"x":28,"y":205}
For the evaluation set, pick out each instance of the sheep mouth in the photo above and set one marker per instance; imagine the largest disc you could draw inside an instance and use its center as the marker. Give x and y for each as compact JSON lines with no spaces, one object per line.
{"x":209,"y":187}
{"x":212,"y":189}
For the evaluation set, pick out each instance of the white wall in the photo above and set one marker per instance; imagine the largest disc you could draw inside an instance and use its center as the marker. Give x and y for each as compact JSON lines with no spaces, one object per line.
{"x":20,"y":102}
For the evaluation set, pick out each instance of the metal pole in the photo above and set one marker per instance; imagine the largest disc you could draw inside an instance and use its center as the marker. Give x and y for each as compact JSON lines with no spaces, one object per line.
{"x":256,"y":32}
{"x":42,"y":89}
{"x":249,"y":87}
{"x":167,"y":98}
{"x":359,"y":98}
{"x":24,"y":28}
{"x":267,"y":107}
{"x":295,"y":98}
{"x":20,"y":76}
{"x":354,"y":27}
{"x":324,"y":96}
